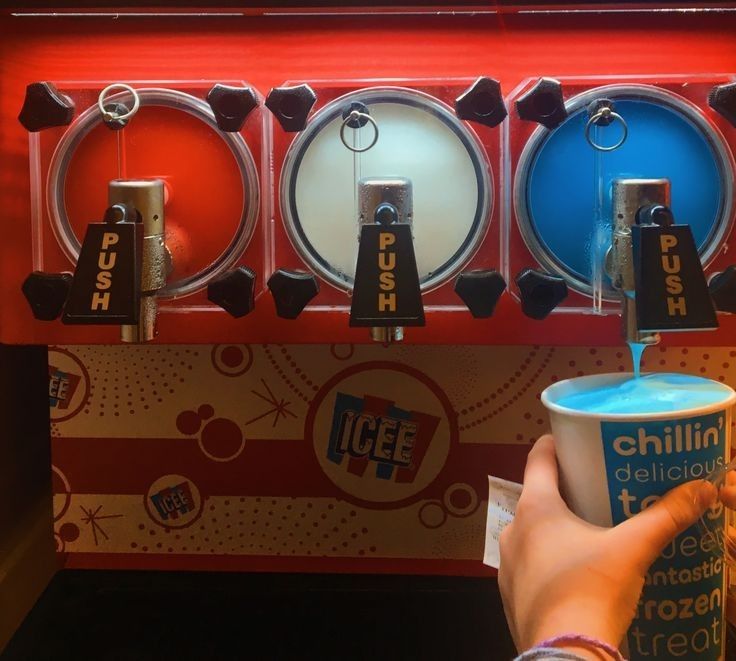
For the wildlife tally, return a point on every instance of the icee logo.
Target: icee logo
(382, 433)
(173, 501)
(371, 431)
(62, 387)
(680, 613)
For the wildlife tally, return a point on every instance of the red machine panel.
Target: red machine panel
(162, 452)
(281, 192)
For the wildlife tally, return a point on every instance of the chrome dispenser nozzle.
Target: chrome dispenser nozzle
(629, 196)
(375, 191)
(147, 197)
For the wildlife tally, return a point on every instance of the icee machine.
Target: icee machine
(350, 243)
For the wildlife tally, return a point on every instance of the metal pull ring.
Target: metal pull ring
(357, 117)
(606, 113)
(114, 116)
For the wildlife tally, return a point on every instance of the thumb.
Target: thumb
(647, 533)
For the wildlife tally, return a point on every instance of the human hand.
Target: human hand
(560, 574)
(727, 494)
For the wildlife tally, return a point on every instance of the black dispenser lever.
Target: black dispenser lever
(386, 293)
(106, 285)
(123, 263)
(671, 289)
(670, 292)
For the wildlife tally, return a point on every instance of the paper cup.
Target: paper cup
(613, 465)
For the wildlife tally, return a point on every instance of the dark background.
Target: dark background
(177, 616)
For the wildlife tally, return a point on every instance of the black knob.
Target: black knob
(482, 103)
(598, 108)
(543, 103)
(291, 291)
(356, 122)
(291, 106)
(540, 292)
(45, 107)
(480, 291)
(122, 213)
(231, 106)
(722, 99)
(722, 287)
(655, 214)
(47, 293)
(386, 214)
(234, 292)
(115, 123)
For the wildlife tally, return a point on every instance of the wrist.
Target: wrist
(588, 653)
(586, 647)
(577, 626)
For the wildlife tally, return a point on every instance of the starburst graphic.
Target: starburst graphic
(279, 407)
(91, 518)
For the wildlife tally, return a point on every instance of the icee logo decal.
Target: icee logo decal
(62, 387)
(371, 431)
(680, 610)
(382, 433)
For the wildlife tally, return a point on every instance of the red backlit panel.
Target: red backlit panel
(439, 56)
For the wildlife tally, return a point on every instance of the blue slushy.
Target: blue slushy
(651, 393)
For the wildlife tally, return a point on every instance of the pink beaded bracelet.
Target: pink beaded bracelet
(582, 641)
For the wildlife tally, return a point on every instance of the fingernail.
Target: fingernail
(707, 494)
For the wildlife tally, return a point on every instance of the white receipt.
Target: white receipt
(502, 498)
